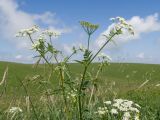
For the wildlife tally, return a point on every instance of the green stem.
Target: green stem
(69, 57)
(84, 73)
(39, 51)
(89, 36)
(62, 84)
(97, 74)
(80, 92)
(30, 38)
(50, 40)
(102, 48)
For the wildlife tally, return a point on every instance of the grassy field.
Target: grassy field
(118, 80)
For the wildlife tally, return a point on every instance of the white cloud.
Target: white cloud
(67, 48)
(18, 56)
(12, 19)
(141, 55)
(47, 18)
(141, 26)
(24, 58)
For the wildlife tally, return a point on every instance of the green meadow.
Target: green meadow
(136, 82)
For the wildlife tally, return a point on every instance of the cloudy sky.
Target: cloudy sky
(64, 16)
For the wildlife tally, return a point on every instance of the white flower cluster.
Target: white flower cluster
(125, 105)
(38, 43)
(29, 31)
(72, 95)
(15, 110)
(102, 110)
(128, 109)
(51, 33)
(120, 24)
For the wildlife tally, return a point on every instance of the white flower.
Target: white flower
(108, 102)
(118, 101)
(29, 31)
(15, 110)
(122, 107)
(126, 116)
(72, 94)
(114, 111)
(102, 110)
(120, 24)
(51, 33)
(136, 117)
(36, 45)
(126, 105)
(134, 109)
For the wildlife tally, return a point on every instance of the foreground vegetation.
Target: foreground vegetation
(57, 90)
(118, 80)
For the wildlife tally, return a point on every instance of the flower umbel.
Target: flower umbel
(119, 26)
(89, 28)
(51, 33)
(29, 31)
(124, 109)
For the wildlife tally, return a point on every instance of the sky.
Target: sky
(64, 16)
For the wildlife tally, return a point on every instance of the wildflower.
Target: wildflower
(119, 26)
(120, 107)
(125, 105)
(134, 109)
(118, 100)
(29, 31)
(89, 28)
(102, 110)
(114, 111)
(51, 33)
(39, 43)
(36, 45)
(126, 116)
(72, 95)
(15, 110)
(136, 117)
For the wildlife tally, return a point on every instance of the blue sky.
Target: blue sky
(64, 16)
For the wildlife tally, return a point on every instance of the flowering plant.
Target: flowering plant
(119, 109)
(77, 92)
